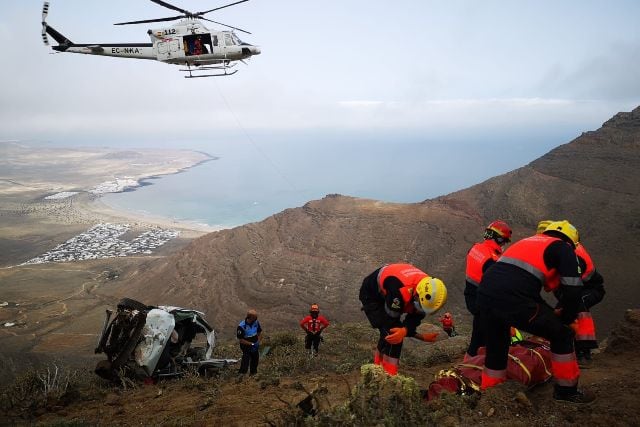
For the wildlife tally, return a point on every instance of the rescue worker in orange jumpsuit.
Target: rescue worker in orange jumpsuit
(509, 295)
(313, 325)
(447, 324)
(394, 291)
(592, 294)
(480, 257)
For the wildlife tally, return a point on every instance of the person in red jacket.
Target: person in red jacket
(509, 295)
(313, 325)
(395, 298)
(480, 257)
(593, 292)
(447, 324)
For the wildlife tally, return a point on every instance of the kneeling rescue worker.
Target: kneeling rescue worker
(389, 293)
(509, 295)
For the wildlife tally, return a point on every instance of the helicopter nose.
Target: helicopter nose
(255, 50)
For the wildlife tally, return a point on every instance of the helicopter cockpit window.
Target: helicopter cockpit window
(228, 40)
(236, 40)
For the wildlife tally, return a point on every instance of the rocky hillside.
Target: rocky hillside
(320, 252)
(341, 395)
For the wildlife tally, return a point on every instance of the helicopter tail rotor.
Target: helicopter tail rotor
(63, 42)
(45, 12)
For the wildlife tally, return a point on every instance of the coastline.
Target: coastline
(31, 200)
(188, 229)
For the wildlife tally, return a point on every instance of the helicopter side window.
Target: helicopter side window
(215, 40)
(227, 39)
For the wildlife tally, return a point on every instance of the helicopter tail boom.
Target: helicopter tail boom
(62, 40)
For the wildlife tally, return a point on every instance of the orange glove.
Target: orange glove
(396, 336)
(574, 326)
(426, 337)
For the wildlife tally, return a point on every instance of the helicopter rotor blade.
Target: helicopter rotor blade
(217, 8)
(144, 21)
(45, 12)
(170, 6)
(224, 25)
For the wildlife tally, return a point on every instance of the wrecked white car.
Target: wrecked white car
(154, 342)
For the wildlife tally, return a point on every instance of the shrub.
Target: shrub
(34, 389)
(377, 399)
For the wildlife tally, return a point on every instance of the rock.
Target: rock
(625, 337)
(523, 399)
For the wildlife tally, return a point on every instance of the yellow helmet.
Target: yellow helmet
(566, 228)
(542, 225)
(431, 294)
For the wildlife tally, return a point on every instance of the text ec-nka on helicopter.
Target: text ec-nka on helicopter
(187, 42)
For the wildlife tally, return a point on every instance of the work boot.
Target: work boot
(573, 395)
(584, 359)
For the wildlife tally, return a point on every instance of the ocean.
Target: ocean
(252, 179)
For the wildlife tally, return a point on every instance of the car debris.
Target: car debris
(153, 342)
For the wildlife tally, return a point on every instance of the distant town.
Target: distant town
(103, 241)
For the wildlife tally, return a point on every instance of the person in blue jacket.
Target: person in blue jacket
(249, 333)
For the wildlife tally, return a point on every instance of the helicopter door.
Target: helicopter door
(169, 49)
(228, 43)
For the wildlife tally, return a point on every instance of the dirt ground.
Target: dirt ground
(284, 379)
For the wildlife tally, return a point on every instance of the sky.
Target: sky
(452, 70)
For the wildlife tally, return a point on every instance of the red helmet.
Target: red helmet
(498, 230)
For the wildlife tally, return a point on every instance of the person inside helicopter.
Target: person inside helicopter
(197, 44)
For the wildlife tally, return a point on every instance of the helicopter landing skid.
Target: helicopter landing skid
(191, 76)
(222, 67)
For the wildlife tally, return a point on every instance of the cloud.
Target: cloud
(609, 75)
(360, 104)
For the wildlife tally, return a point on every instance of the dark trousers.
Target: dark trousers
(250, 359)
(386, 349)
(312, 340)
(478, 336)
(535, 318)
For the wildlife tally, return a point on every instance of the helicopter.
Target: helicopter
(187, 42)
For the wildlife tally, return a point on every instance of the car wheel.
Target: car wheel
(132, 304)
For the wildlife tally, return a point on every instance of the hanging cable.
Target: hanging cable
(251, 141)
